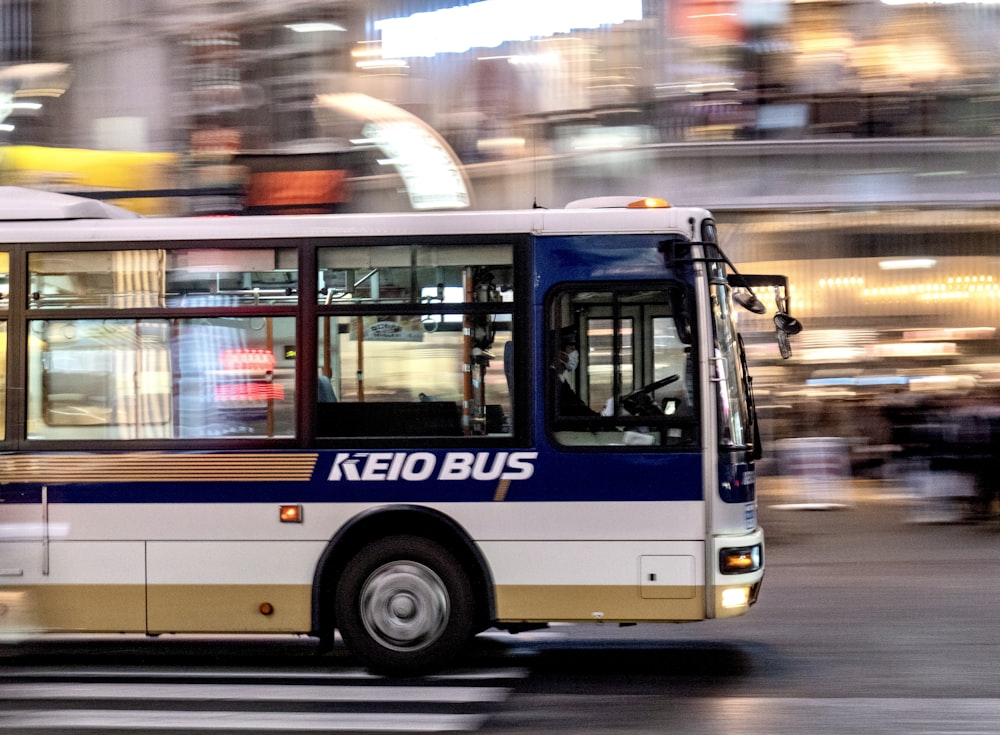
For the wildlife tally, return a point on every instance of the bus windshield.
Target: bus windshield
(735, 416)
(736, 420)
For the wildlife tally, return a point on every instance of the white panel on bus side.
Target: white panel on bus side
(91, 586)
(21, 562)
(96, 562)
(233, 562)
(667, 577)
(593, 563)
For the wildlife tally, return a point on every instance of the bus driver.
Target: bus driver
(566, 360)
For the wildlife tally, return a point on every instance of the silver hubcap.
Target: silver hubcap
(404, 605)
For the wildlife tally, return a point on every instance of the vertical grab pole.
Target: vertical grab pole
(361, 359)
(269, 341)
(45, 530)
(327, 366)
(467, 391)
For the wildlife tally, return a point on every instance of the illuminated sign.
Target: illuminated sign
(247, 359)
(253, 391)
(489, 23)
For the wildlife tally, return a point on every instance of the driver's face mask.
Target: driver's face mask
(572, 360)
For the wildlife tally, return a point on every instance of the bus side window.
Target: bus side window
(398, 379)
(92, 379)
(234, 379)
(413, 339)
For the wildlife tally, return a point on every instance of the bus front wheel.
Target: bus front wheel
(404, 606)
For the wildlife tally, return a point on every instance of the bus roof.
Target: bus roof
(685, 220)
(21, 204)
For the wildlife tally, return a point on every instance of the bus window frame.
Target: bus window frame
(305, 310)
(522, 401)
(22, 315)
(5, 262)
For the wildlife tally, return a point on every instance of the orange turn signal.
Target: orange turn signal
(742, 560)
(290, 514)
(649, 203)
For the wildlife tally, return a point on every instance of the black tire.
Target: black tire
(404, 606)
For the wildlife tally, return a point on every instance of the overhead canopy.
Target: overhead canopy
(432, 174)
(17, 203)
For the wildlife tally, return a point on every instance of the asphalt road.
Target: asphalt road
(868, 622)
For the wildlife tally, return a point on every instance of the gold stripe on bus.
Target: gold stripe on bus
(121, 608)
(610, 603)
(275, 608)
(82, 608)
(229, 608)
(155, 467)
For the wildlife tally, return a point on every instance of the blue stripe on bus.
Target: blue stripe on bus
(566, 477)
(596, 257)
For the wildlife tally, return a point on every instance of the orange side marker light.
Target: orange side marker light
(290, 514)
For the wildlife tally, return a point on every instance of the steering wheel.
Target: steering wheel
(640, 402)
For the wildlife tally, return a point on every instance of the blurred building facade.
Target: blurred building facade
(506, 77)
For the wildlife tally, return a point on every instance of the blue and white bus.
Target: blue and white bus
(405, 428)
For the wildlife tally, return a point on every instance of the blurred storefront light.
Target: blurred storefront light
(935, 335)
(841, 281)
(490, 23)
(914, 349)
(959, 287)
(941, 2)
(370, 64)
(832, 354)
(37, 79)
(315, 27)
(906, 263)
(7, 108)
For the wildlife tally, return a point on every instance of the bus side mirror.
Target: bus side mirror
(749, 301)
(784, 324)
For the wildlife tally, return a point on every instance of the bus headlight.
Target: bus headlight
(741, 560)
(735, 597)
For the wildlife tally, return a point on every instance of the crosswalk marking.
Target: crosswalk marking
(254, 693)
(150, 720)
(50, 674)
(150, 700)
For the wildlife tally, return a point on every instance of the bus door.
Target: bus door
(622, 418)
(23, 522)
(23, 554)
